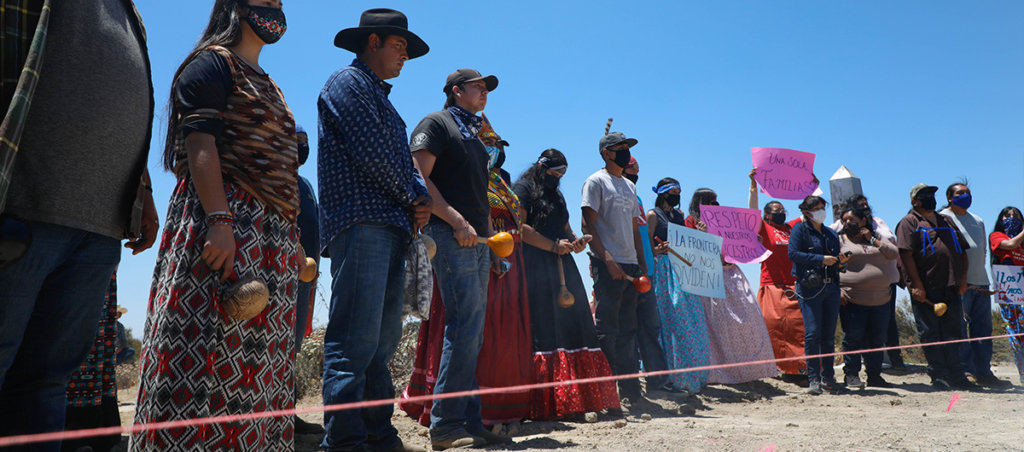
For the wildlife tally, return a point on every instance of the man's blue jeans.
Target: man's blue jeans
(976, 357)
(365, 326)
(462, 275)
(865, 327)
(820, 309)
(50, 305)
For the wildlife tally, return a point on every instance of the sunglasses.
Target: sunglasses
(15, 240)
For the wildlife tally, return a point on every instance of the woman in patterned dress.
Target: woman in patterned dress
(1007, 244)
(736, 328)
(231, 143)
(684, 333)
(504, 358)
(565, 344)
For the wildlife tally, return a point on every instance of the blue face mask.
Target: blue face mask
(962, 201)
(492, 156)
(1012, 226)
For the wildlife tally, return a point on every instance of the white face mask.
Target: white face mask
(818, 216)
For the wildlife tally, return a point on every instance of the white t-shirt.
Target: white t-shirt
(614, 199)
(973, 230)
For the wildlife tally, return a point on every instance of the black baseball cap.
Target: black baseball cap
(469, 75)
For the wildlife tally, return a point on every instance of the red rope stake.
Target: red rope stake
(952, 400)
(183, 423)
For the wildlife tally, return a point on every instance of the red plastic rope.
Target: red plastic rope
(135, 428)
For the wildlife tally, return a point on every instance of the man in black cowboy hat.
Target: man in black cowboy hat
(448, 152)
(371, 198)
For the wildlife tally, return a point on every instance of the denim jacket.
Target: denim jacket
(808, 248)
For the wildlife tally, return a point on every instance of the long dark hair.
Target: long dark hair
(661, 197)
(542, 202)
(701, 197)
(224, 29)
(999, 227)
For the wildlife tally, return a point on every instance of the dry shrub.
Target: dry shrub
(309, 364)
(127, 374)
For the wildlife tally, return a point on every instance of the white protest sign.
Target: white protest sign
(704, 251)
(1009, 284)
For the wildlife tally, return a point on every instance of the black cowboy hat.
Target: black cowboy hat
(381, 20)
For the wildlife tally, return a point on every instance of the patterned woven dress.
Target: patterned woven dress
(92, 391)
(504, 358)
(196, 361)
(736, 330)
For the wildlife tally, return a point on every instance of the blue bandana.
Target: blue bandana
(666, 188)
(469, 124)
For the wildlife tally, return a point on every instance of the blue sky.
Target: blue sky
(899, 92)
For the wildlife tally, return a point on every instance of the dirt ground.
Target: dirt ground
(771, 415)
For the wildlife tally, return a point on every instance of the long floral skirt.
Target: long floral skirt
(684, 333)
(737, 332)
(198, 362)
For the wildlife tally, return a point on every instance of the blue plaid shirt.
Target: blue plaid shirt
(365, 168)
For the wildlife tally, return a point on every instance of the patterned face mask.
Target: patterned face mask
(268, 23)
(492, 156)
(1012, 226)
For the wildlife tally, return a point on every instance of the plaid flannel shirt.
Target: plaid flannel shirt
(22, 44)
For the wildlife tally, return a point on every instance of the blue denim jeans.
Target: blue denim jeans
(943, 360)
(617, 322)
(50, 305)
(976, 357)
(462, 275)
(648, 330)
(820, 309)
(364, 328)
(865, 327)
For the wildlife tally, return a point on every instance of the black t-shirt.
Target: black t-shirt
(204, 83)
(553, 226)
(460, 171)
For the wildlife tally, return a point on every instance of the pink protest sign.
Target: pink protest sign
(738, 229)
(784, 173)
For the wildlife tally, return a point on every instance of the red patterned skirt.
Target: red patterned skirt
(565, 345)
(198, 362)
(504, 358)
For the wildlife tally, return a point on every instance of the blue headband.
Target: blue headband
(665, 188)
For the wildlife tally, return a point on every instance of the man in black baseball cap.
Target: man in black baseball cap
(934, 258)
(449, 154)
(609, 206)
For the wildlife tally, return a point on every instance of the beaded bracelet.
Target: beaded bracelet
(220, 217)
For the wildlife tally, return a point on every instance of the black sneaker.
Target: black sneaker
(878, 382)
(671, 388)
(963, 383)
(991, 381)
(832, 386)
(940, 384)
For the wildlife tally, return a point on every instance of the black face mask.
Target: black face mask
(926, 203)
(549, 182)
(851, 228)
(303, 152)
(777, 217)
(632, 177)
(672, 200)
(622, 158)
(268, 23)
